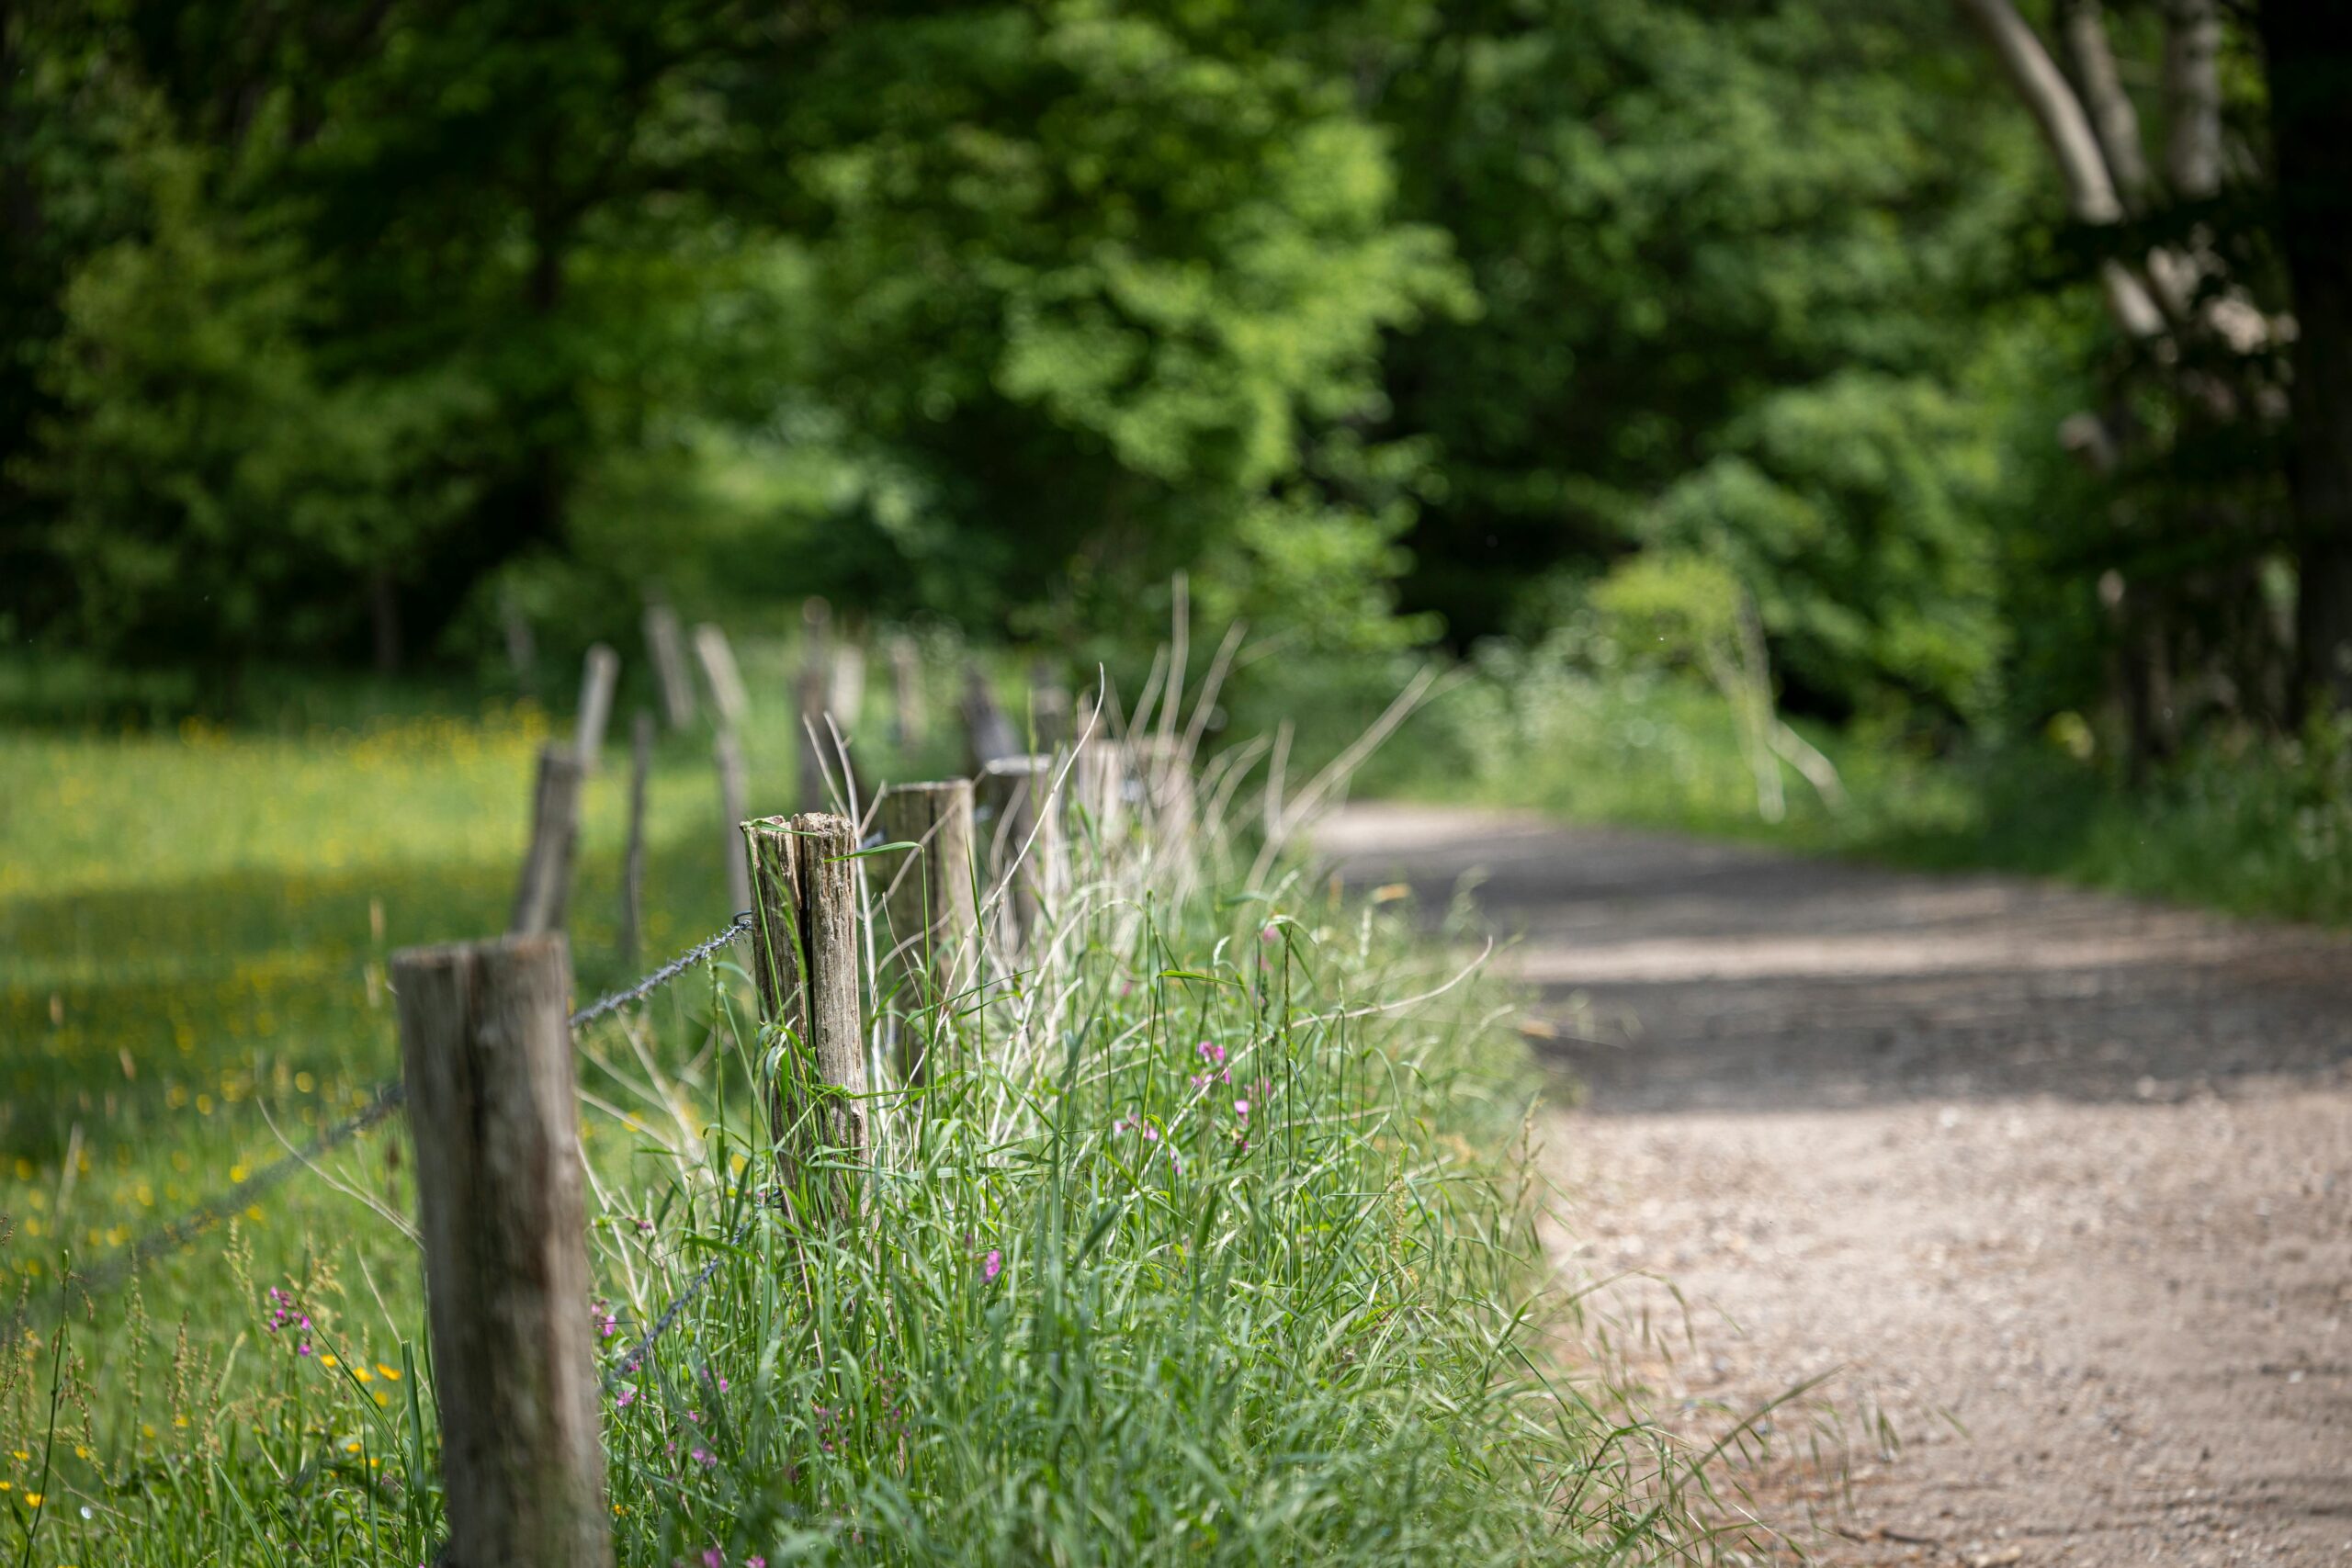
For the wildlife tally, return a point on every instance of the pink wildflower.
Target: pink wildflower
(624, 1399)
(993, 1268)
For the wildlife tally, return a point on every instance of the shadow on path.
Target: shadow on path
(1689, 976)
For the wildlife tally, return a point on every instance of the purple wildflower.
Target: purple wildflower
(992, 1266)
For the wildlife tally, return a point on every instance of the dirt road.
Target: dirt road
(2058, 1184)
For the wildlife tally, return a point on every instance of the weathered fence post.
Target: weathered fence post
(906, 690)
(722, 675)
(1048, 708)
(597, 673)
(640, 764)
(486, 1056)
(522, 653)
(555, 824)
(989, 731)
(1023, 839)
(733, 786)
(668, 651)
(804, 959)
(930, 902)
(847, 692)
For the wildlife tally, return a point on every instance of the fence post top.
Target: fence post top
(804, 825)
(930, 786)
(522, 945)
(1017, 767)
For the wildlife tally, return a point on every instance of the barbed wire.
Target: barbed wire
(382, 1101)
(653, 982)
(629, 1363)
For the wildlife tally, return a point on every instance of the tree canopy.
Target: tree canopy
(331, 323)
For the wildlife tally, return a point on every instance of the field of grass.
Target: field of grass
(1199, 1252)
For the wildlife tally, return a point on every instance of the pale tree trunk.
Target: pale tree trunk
(2192, 98)
(2112, 116)
(2090, 186)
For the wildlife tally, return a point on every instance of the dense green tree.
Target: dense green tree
(1732, 262)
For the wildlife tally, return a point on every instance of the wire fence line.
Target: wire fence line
(380, 1103)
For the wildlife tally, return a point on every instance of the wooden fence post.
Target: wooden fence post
(847, 692)
(989, 732)
(668, 650)
(805, 961)
(555, 824)
(640, 764)
(598, 672)
(932, 909)
(732, 788)
(906, 692)
(1048, 708)
(722, 675)
(486, 1056)
(1023, 839)
(522, 654)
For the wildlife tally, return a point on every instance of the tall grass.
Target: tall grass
(1207, 1239)
(2244, 822)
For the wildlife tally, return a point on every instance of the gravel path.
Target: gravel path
(2056, 1185)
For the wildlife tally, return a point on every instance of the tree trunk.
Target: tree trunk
(2311, 124)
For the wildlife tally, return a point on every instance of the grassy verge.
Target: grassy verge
(1200, 1248)
(2248, 825)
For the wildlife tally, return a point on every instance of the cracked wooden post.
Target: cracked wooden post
(598, 672)
(805, 961)
(640, 765)
(932, 907)
(545, 883)
(486, 1056)
(1023, 840)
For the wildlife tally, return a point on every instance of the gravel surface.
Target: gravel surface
(2041, 1198)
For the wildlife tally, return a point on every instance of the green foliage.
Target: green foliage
(1725, 256)
(1109, 282)
(212, 490)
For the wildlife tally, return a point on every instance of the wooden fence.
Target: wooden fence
(488, 1067)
